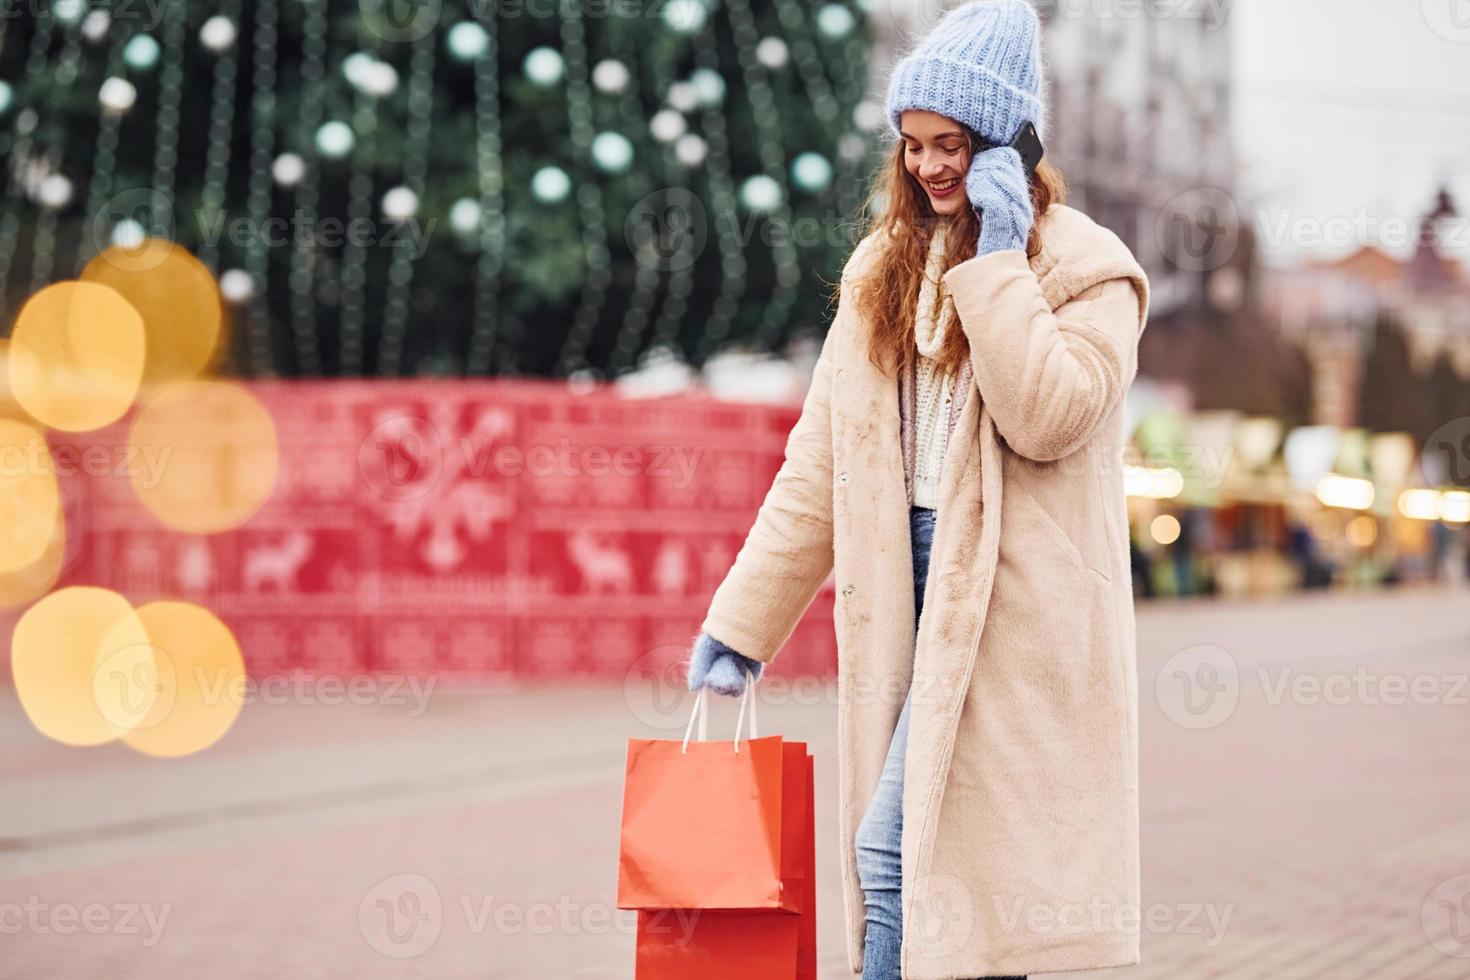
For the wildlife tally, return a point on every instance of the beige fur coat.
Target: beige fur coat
(1020, 806)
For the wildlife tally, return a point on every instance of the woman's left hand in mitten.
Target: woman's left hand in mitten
(1000, 191)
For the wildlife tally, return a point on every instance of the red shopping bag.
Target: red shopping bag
(718, 944)
(702, 822)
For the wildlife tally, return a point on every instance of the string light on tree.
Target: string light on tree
(221, 146)
(7, 97)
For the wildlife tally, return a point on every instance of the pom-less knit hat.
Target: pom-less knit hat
(980, 65)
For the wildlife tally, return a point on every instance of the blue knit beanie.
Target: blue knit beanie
(980, 65)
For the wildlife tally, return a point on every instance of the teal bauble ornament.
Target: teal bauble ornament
(335, 139)
(141, 52)
(551, 185)
(612, 152)
(811, 172)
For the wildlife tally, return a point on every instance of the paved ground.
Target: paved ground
(1306, 813)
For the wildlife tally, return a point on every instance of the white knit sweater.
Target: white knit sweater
(933, 393)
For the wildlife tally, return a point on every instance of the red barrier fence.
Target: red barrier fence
(493, 528)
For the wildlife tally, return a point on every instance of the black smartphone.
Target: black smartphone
(1028, 145)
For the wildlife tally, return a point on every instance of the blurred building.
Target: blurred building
(1331, 308)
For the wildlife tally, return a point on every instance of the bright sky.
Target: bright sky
(1351, 111)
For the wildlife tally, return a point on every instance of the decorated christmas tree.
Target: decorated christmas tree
(385, 189)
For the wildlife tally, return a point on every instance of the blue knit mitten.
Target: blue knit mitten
(721, 669)
(999, 189)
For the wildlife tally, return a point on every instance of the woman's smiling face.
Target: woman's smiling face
(937, 155)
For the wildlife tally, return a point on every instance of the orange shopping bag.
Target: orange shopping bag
(744, 944)
(707, 940)
(702, 821)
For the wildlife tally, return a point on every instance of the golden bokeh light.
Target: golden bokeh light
(177, 298)
(9, 407)
(30, 498)
(1362, 531)
(25, 585)
(76, 356)
(201, 681)
(218, 452)
(1164, 529)
(83, 666)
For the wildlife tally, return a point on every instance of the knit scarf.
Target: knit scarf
(929, 333)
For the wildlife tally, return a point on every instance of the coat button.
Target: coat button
(842, 478)
(841, 373)
(847, 590)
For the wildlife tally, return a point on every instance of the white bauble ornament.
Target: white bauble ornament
(236, 286)
(464, 216)
(760, 193)
(288, 169)
(544, 66)
(667, 125)
(772, 52)
(691, 150)
(682, 96)
(128, 233)
(218, 33)
(54, 192)
(117, 95)
(467, 41)
(611, 76)
(400, 204)
(709, 86)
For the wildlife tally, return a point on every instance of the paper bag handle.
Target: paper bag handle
(701, 712)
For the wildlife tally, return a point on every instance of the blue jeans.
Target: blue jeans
(880, 834)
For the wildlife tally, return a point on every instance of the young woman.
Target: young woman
(966, 414)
